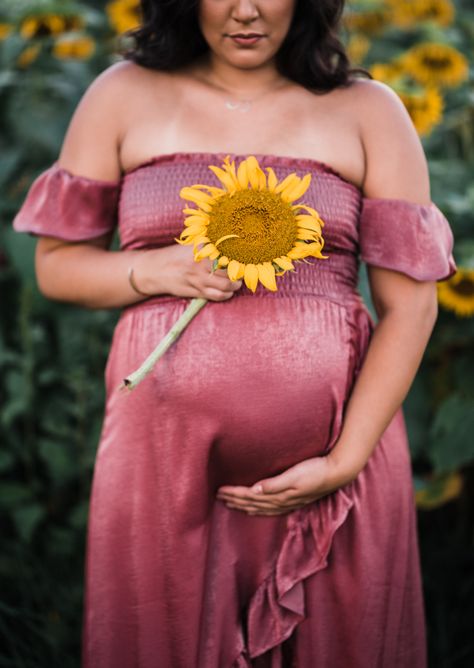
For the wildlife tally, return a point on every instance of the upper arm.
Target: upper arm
(92, 142)
(396, 166)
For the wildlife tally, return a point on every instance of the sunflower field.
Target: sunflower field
(52, 356)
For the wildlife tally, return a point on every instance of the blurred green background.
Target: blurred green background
(52, 356)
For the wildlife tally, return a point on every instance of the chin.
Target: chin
(247, 61)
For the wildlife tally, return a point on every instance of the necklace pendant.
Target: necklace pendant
(240, 105)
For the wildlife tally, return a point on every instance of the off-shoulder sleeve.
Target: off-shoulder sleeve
(415, 239)
(69, 207)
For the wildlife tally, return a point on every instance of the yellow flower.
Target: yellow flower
(370, 22)
(409, 13)
(439, 490)
(124, 15)
(251, 226)
(386, 72)
(425, 108)
(435, 64)
(358, 47)
(5, 30)
(79, 48)
(457, 293)
(29, 55)
(45, 25)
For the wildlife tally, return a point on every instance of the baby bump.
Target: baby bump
(270, 375)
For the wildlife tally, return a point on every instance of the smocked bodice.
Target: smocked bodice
(146, 206)
(151, 213)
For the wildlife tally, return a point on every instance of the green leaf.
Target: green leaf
(13, 494)
(452, 442)
(27, 519)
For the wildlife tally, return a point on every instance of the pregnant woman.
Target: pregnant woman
(252, 502)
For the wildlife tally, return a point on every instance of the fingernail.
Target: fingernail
(257, 489)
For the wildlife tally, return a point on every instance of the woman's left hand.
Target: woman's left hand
(299, 485)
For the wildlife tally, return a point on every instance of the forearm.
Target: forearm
(393, 357)
(87, 275)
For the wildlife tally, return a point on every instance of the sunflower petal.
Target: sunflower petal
(196, 220)
(291, 179)
(223, 261)
(306, 235)
(242, 175)
(266, 274)
(284, 263)
(230, 168)
(292, 193)
(183, 242)
(251, 276)
(227, 236)
(225, 178)
(256, 175)
(314, 250)
(272, 180)
(310, 210)
(200, 240)
(235, 270)
(205, 251)
(297, 252)
(191, 231)
(201, 199)
(309, 223)
(213, 190)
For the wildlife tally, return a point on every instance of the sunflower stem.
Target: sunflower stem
(132, 380)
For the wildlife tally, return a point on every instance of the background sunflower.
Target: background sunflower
(52, 356)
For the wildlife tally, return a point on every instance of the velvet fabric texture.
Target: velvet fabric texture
(175, 579)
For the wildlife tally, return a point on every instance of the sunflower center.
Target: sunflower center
(465, 287)
(437, 62)
(265, 226)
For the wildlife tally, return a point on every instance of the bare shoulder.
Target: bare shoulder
(92, 143)
(395, 161)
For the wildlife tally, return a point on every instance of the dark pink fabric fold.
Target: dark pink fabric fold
(69, 207)
(414, 239)
(278, 605)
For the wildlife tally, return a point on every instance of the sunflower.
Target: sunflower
(79, 48)
(409, 13)
(457, 293)
(425, 108)
(45, 25)
(439, 490)
(357, 47)
(124, 15)
(370, 22)
(436, 64)
(387, 72)
(5, 30)
(251, 226)
(29, 55)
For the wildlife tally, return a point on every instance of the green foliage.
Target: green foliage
(52, 356)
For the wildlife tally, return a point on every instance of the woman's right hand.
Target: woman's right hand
(173, 270)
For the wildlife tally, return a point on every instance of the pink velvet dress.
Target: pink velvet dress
(174, 578)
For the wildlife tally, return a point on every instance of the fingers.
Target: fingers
(216, 286)
(246, 500)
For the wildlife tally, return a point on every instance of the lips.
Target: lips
(246, 39)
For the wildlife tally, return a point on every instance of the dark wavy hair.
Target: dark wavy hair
(312, 53)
